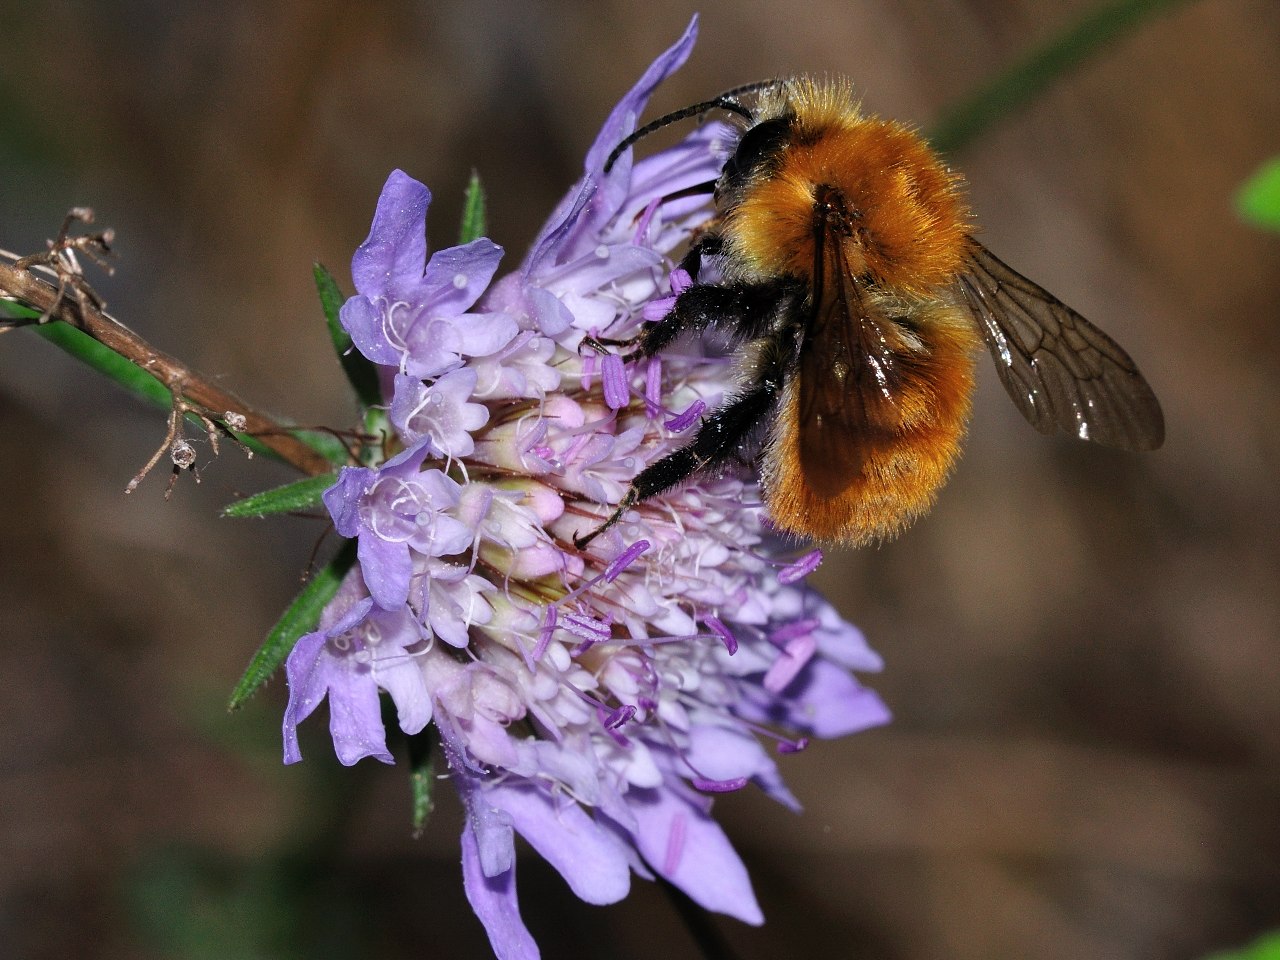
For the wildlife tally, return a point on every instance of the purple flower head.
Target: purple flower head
(592, 701)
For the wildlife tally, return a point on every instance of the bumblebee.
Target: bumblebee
(857, 295)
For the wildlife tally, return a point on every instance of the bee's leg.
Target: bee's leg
(691, 263)
(709, 244)
(745, 310)
(721, 436)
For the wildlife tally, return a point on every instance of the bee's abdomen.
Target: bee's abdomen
(890, 472)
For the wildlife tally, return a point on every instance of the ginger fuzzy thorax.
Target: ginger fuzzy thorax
(906, 219)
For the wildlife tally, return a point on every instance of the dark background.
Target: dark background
(1081, 645)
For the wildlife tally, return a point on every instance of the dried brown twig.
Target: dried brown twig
(218, 411)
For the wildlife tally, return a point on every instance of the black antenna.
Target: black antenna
(726, 101)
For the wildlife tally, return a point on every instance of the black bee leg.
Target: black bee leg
(746, 311)
(599, 344)
(709, 244)
(722, 436)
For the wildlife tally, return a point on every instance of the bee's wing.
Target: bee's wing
(847, 377)
(1061, 371)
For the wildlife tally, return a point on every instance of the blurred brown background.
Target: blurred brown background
(1081, 645)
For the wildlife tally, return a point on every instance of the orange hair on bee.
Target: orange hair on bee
(911, 220)
(903, 469)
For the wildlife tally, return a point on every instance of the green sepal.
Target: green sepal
(361, 374)
(473, 211)
(291, 498)
(1258, 199)
(422, 777)
(301, 617)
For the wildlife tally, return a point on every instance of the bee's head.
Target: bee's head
(757, 153)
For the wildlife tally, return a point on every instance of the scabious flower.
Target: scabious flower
(593, 701)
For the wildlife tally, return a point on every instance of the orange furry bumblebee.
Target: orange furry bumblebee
(858, 296)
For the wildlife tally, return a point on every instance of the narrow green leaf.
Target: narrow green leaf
(291, 498)
(1024, 80)
(105, 360)
(473, 211)
(12, 309)
(422, 778)
(1258, 200)
(361, 374)
(301, 616)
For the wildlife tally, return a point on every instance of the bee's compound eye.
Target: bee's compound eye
(759, 146)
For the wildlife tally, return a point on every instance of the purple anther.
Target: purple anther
(719, 786)
(717, 627)
(797, 628)
(614, 377)
(588, 628)
(653, 388)
(684, 420)
(619, 716)
(624, 560)
(656, 310)
(800, 568)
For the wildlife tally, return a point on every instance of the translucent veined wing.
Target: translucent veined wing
(848, 374)
(1061, 371)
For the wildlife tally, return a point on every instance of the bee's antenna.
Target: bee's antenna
(726, 101)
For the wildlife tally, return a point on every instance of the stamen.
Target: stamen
(801, 568)
(797, 628)
(719, 786)
(624, 560)
(782, 743)
(620, 716)
(588, 628)
(614, 377)
(527, 441)
(684, 420)
(793, 746)
(653, 388)
(656, 310)
(730, 641)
